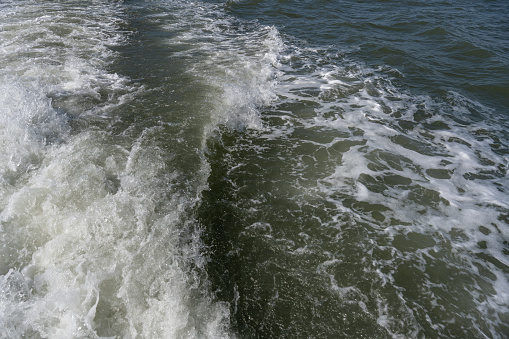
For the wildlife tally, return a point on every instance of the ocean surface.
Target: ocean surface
(254, 169)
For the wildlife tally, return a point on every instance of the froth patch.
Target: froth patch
(92, 225)
(237, 62)
(413, 185)
(28, 125)
(100, 261)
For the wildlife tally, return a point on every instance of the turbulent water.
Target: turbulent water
(254, 169)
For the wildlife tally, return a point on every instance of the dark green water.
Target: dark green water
(254, 169)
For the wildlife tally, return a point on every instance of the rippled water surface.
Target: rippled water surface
(254, 169)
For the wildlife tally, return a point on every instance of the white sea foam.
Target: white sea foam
(239, 64)
(426, 166)
(95, 236)
(98, 260)
(95, 240)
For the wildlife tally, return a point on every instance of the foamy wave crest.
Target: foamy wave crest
(237, 61)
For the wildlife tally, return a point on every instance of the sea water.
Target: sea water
(254, 169)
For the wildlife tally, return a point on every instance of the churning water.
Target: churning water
(254, 169)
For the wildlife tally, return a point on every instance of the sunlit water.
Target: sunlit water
(254, 169)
